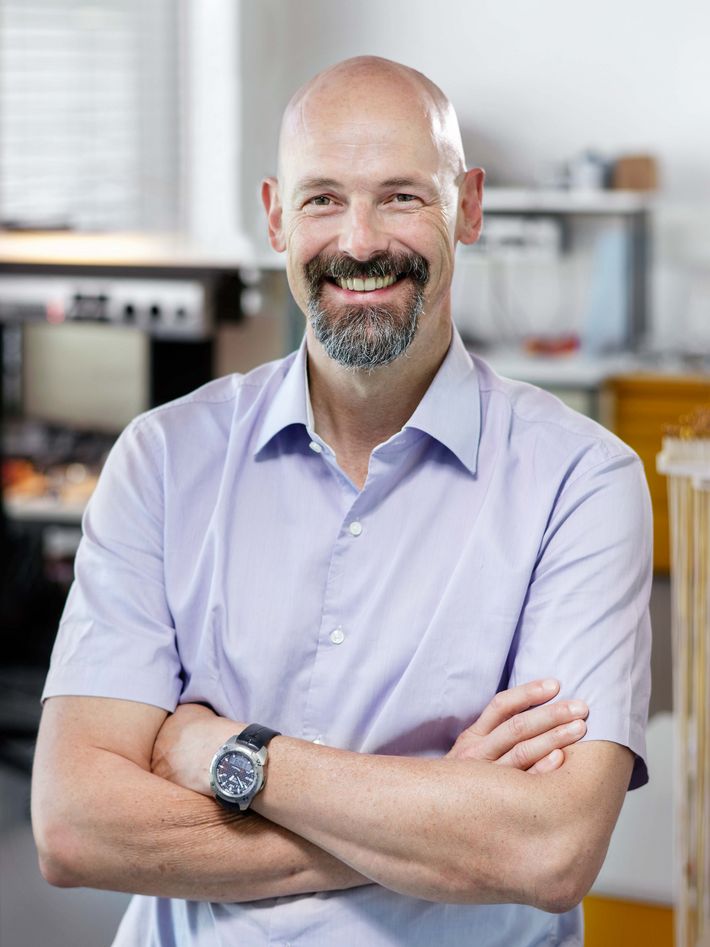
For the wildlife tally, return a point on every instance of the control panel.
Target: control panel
(167, 308)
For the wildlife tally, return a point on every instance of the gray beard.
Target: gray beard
(366, 336)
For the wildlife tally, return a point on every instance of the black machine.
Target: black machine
(52, 447)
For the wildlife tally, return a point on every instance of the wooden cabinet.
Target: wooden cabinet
(637, 407)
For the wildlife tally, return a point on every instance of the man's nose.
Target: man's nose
(363, 235)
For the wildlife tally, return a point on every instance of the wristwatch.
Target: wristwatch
(237, 768)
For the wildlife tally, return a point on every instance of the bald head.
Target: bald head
(356, 86)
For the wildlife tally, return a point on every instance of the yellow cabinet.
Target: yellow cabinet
(637, 407)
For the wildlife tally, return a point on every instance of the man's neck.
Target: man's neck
(355, 410)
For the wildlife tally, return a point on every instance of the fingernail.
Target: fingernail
(577, 707)
(549, 685)
(577, 726)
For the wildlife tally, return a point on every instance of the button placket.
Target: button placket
(332, 634)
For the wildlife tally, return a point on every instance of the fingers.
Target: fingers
(542, 753)
(549, 763)
(513, 701)
(521, 728)
(534, 723)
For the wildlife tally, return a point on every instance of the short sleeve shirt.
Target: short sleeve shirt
(227, 559)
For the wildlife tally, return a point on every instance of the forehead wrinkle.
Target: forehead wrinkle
(342, 154)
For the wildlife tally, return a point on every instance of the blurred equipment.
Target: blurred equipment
(555, 265)
(587, 172)
(685, 460)
(100, 343)
(84, 348)
(50, 471)
(175, 308)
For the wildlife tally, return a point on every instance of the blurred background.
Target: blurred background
(134, 267)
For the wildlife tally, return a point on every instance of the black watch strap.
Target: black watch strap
(257, 736)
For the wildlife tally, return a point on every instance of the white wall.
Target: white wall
(533, 84)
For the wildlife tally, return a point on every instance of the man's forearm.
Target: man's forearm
(103, 821)
(441, 830)
(450, 830)
(155, 838)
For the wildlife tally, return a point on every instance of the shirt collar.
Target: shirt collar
(291, 403)
(449, 411)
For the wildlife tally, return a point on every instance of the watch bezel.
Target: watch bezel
(255, 757)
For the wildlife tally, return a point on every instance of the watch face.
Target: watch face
(235, 774)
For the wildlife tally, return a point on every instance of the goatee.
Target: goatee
(363, 336)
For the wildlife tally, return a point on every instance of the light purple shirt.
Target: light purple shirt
(500, 537)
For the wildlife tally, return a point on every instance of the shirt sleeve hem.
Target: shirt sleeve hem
(634, 742)
(90, 682)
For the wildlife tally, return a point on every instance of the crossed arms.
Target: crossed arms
(120, 801)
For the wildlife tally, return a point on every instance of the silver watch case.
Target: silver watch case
(257, 759)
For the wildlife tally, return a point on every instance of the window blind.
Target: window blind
(89, 124)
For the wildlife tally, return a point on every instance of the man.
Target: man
(355, 548)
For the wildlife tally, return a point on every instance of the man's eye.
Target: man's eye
(404, 198)
(321, 201)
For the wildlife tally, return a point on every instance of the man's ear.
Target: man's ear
(470, 215)
(274, 213)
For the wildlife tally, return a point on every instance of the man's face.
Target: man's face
(368, 205)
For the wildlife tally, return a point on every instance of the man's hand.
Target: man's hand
(186, 743)
(514, 730)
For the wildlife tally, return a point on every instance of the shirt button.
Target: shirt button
(337, 636)
(355, 528)
(315, 447)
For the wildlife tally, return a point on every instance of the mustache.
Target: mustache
(338, 266)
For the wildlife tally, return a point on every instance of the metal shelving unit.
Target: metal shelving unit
(633, 208)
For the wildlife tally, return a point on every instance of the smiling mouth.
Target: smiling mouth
(365, 285)
(357, 277)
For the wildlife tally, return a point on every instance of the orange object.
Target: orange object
(637, 408)
(612, 923)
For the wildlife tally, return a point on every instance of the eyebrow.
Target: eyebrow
(403, 182)
(316, 184)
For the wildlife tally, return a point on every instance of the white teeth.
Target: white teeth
(367, 285)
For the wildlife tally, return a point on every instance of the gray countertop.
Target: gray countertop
(583, 370)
